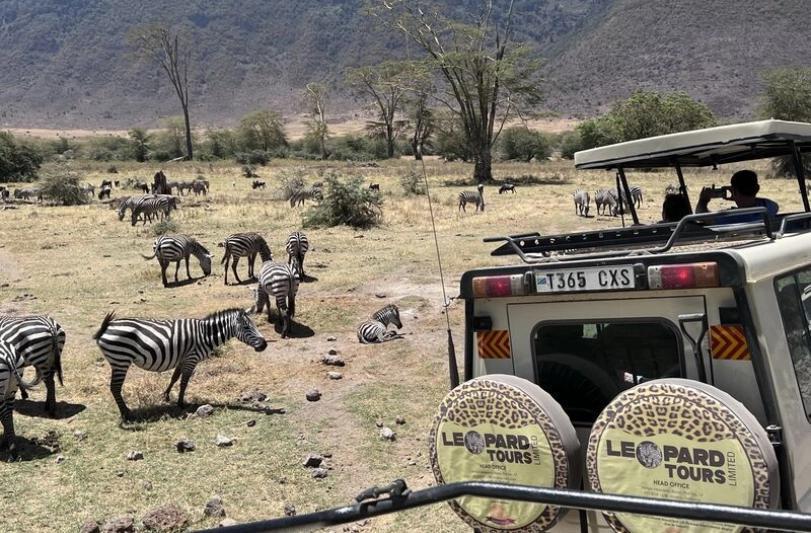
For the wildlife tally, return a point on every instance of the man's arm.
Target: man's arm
(703, 201)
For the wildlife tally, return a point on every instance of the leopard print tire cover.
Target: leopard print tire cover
(504, 429)
(681, 440)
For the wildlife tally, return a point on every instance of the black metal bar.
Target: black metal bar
(791, 218)
(682, 184)
(619, 200)
(631, 205)
(704, 512)
(799, 169)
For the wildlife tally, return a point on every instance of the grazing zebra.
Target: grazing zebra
(129, 202)
(296, 246)
(88, 189)
(581, 202)
(244, 245)
(11, 363)
(160, 345)
(471, 197)
(280, 281)
(619, 207)
(636, 196)
(605, 201)
(312, 193)
(505, 187)
(374, 187)
(376, 328)
(181, 186)
(159, 205)
(25, 193)
(258, 184)
(199, 187)
(39, 340)
(169, 248)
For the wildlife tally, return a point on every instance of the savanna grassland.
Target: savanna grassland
(78, 263)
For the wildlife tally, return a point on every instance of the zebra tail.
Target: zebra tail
(106, 322)
(25, 384)
(57, 352)
(226, 254)
(154, 254)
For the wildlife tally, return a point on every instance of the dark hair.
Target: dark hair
(745, 182)
(675, 207)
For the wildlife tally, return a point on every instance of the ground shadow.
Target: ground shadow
(154, 413)
(306, 278)
(182, 283)
(297, 330)
(248, 281)
(27, 450)
(37, 409)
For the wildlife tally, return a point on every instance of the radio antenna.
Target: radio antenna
(454, 371)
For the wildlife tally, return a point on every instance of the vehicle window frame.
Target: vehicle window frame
(793, 274)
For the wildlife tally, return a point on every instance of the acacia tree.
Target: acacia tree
(488, 77)
(422, 119)
(263, 130)
(159, 44)
(315, 101)
(787, 96)
(139, 138)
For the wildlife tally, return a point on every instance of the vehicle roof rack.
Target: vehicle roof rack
(651, 239)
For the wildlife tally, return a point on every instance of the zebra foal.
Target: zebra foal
(471, 197)
(244, 245)
(39, 340)
(375, 329)
(175, 248)
(160, 345)
(297, 245)
(280, 281)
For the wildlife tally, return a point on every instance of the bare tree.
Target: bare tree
(487, 76)
(159, 44)
(421, 117)
(315, 100)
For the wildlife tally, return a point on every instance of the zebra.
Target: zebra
(604, 200)
(158, 206)
(506, 187)
(471, 197)
(25, 193)
(296, 246)
(160, 345)
(636, 196)
(181, 186)
(199, 187)
(169, 248)
(244, 245)
(281, 281)
(375, 187)
(4, 194)
(130, 202)
(39, 340)
(258, 184)
(105, 190)
(581, 202)
(620, 207)
(11, 363)
(376, 328)
(312, 193)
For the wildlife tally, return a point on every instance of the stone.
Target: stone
(379, 423)
(135, 455)
(251, 423)
(204, 411)
(228, 522)
(121, 524)
(331, 339)
(91, 526)
(380, 295)
(313, 395)
(60, 459)
(167, 517)
(320, 473)
(332, 351)
(399, 420)
(333, 360)
(147, 485)
(313, 460)
(80, 435)
(214, 507)
(334, 375)
(185, 445)
(387, 434)
(223, 442)
(326, 455)
(253, 396)
(289, 509)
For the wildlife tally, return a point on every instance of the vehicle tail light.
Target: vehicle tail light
(499, 286)
(686, 276)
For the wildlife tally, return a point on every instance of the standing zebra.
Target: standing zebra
(244, 245)
(160, 345)
(376, 328)
(297, 245)
(11, 363)
(158, 206)
(281, 281)
(312, 193)
(169, 248)
(581, 202)
(130, 202)
(636, 196)
(506, 187)
(39, 340)
(471, 197)
(606, 202)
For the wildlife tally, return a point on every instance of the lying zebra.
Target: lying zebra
(159, 345)
(175, 248)
(280, 281)
(375, 329)
(11, 364)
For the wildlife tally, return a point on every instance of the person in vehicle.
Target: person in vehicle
(674, 208)
(744, 186)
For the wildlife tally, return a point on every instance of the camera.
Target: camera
(724, 192)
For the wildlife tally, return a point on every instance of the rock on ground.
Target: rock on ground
(135, 455)
(289, 509)
(223, 442)
(228, 522)
(313, 395)
(320, 473)
(333, 360)
(91, 526)
(121, 524)
(185, 445)
(387, 434)
(204, 411)
(167, 517)
(334, 375)
(214, 507)
(313, 460)
(253, 396)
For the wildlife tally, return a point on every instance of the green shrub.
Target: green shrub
(167, 225)
(349, 203)
(249, 171)
(523, 144)
(568, 143)
(412, 183)
(63, 187)
(255, 157)
(18, 162)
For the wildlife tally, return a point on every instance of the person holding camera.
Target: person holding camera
(743, 188)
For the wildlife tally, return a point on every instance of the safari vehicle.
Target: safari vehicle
(589, 315)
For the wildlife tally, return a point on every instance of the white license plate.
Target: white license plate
(616, 277)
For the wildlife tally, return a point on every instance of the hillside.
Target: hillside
(67, 63)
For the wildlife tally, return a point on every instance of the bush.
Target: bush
(167, 225)
(568, 143)
(63, 187)
(255, 157)
(290, 182)
(524, 144)
(18, 162)
(112, 169)
(349, 203)
(412, 183)
(249, 171)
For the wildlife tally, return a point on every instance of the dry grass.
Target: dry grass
(78, 263)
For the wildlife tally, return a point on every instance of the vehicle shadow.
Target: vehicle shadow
(27, 450)
(37, 409)
(154, 413)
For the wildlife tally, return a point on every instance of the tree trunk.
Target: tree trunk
(483, 171)
(189, 154)
(417, 149)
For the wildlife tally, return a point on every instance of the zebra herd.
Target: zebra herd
(607, 201)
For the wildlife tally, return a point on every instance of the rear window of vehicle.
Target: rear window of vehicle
(794, 300)
(584, 365)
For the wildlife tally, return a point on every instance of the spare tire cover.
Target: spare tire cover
(678, 439)
(504, 429)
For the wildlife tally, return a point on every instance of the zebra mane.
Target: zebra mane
(223, 312)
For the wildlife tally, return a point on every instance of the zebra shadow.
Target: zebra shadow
(297, 330)
(182, 283)
(306, 278)
(155, 413)
(37, 409)
(249, 281)
(27, 450)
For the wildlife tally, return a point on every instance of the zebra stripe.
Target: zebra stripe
(158, 206)
(11, 364)
(130, 202)
(174, 248)
(312, 193)
(606, 200)
(160, 345)
(472, 197)
(296, 246)
(375, 329)
(636, 195)
(39, 340)
(280, 281)
(244, 245)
